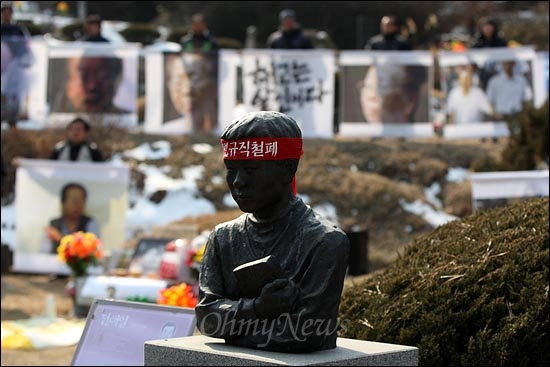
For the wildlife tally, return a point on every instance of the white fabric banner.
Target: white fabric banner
(230, 87)
(385, 94)
(512, 184)
(475, 96)
(38, 200)
(95, 80)
(182, 90)
(540, 78)
(295, 82)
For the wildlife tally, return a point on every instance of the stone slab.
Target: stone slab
(201, 350)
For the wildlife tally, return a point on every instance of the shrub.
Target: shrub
(34, 29)
(472, 292)
(73, 31)
(226, 42)
(529, 136)
(143, 33)
(176, 34)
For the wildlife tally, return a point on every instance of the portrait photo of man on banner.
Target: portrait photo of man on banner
(382, 93)
(182, 89)
(50, 194)
(191, 91)
(98, 81)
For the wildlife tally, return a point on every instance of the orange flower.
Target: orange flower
(178, 295)
(78, 250)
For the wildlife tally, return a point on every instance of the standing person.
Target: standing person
(16, 59)
(467, 103)
(199, 40)
(389, 37)
(290, 34)
(488, 35)
(195, 76)
(72, 219)
(77, 147)
(508, 92)
(92, 30)
(293, 261)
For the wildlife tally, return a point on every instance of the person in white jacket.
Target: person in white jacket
(467, 103)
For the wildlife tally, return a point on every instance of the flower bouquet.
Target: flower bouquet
(194, 258)
(79, 250)
(178, 295)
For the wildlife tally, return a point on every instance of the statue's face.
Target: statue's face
(256, 186)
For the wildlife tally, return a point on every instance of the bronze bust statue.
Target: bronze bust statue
(272, 278)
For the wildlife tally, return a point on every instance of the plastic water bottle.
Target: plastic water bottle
(51, 307)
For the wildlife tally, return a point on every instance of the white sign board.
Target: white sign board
(38, 200)
(512, 184)
(116, 331)
(385, 93)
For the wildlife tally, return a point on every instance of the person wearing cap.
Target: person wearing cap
(92, 30)
(290, 34)
(308, 255)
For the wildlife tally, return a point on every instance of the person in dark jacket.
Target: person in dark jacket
(389, 37)
(290, 34)
(17, 57)
(199, 40)
(92, 30)
(77, 147)
(488, 35)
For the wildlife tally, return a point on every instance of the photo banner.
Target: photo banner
(182, 90)
(38, 200)
(475, 95)
(385, 93)
(230, 87)
(295, 82)
(540, 78)
(95, 80)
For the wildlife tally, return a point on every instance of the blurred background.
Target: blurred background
(335, 24)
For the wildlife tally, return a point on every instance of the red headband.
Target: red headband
(268, 149)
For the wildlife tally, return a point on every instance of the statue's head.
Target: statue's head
(261, 154)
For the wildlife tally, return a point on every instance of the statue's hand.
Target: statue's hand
(277, 297)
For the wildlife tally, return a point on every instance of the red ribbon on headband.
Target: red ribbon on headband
(269, 149)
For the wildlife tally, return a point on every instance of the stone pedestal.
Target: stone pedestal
(205, 351)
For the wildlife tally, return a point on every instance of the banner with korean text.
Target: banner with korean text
(296, 82)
